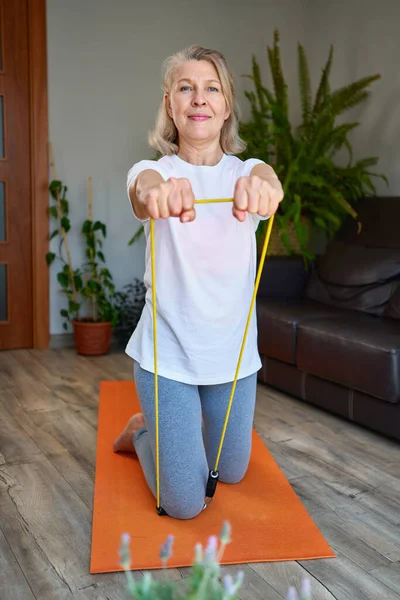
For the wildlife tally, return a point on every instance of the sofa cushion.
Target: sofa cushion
(355, 350)
(278, 320)
(355, 277)
(377, 223)
(353, 265)
(392, 310)
(372, 299)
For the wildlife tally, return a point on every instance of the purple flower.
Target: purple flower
(305, 592)
(211, 550)
(225, 535)
(231, 586)
(124, 550)
(166, 549)
(198, 554)
(292, 594)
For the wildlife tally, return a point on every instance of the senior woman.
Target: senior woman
(206, 267)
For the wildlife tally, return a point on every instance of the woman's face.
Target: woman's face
(196, 102)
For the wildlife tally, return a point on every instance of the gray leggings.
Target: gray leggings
(188, 446)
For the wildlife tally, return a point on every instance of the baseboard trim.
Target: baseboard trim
(59, 341)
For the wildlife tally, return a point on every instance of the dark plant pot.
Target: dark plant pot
(92, 339)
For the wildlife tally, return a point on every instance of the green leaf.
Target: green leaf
(50, 256)
(305, 85)
(101, 256)
(328, 215)
(323, 88)
(64, 313)
(100, 226)
(54, 234)
(87, 227)
(351, 95)
(277, 74)
(321, 223)
(55, 188)
(105, 273)
(65, 326)
(343, 203)
(137, 235)
(65, 224)
(63, 280)
(78, 282)
(64, 206)
(53, 212)
(73, 306)
(93, 286)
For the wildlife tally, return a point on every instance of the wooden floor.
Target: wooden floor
(347, 477)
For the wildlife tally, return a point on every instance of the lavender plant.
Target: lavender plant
(205, 582)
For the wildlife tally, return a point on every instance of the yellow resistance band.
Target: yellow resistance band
(153, 282)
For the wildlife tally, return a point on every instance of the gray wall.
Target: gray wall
(365, 36)
(104, 88)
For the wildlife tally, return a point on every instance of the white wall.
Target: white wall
(104, 66)
(365, 36)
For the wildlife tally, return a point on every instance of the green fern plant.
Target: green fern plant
(305, 157)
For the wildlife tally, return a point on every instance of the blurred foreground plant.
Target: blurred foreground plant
(205, 582)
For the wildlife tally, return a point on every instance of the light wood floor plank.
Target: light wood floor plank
(347, 581)
(281, 575)
(57, 521)
(13, 584)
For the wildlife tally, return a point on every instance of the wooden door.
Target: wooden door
(16, 248)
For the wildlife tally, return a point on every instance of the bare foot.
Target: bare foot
(124, 442)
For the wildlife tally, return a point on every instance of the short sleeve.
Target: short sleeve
(248, 165)
(136, 169)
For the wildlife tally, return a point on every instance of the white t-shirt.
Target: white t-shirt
(205, 273)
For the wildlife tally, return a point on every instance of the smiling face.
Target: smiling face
(196, 102)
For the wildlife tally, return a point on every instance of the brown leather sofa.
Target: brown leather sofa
(330, 334)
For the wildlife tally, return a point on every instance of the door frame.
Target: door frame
(39, 175)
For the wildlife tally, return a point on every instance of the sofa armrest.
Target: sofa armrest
(284, 277)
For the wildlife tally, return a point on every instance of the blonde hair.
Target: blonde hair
(164, 136)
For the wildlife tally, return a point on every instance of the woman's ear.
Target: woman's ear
(227, 111)
(168, 105)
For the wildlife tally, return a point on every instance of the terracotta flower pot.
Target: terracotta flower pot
(92, 338)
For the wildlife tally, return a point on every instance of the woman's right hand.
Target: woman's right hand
(171, 198)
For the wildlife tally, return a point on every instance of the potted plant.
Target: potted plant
(129, 304)
(92, 307)
(319, 191)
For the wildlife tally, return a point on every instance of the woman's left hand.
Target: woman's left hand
(256, 195)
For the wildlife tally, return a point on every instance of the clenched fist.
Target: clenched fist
(257, 196)
(171, 198)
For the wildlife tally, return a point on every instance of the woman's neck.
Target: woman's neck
(207, 155)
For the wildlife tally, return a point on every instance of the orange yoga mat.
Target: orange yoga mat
(268, 521)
